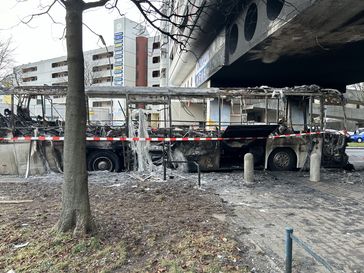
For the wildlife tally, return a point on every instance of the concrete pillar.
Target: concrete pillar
(315, 166)
(249, 168)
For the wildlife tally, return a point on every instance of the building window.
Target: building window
(59, 64)
(156, 45)
(156, 73)
(164, 53)
(29, 69)
(156, 59)
(163, 73)
(102, 56)
(60, 74)
(155, 85)
(102, 80)
(173, 51)
(30, 79)
(101, 103)
(60, 84)
(102, 67)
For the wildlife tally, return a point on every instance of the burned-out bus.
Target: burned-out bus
(217, 127)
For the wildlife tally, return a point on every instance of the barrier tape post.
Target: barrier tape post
(289, 232)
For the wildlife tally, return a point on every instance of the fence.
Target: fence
(289, 245)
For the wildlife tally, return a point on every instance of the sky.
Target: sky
(41, 38)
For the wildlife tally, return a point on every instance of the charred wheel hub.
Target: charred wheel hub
(281, 160)
(103, 164)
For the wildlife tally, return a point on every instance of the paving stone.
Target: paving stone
(327, 215)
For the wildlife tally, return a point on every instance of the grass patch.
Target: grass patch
(356, 144)
(50, 252)
(200, 252)
(47, 251)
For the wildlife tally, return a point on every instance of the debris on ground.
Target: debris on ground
(143, 226)
(15, 201)
(146, 224)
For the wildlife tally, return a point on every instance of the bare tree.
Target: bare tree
(181, 19)
(89, 74)
(6, 62)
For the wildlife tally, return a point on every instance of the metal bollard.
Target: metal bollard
(289, 232)
(315, 166)
(249, 168)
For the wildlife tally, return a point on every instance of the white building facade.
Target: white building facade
(133, 60)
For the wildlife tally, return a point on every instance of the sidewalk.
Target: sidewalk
(329, 216)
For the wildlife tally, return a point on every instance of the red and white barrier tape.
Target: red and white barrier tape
(154, 139)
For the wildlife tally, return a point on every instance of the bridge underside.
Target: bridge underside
(334, 68)
(323, 44)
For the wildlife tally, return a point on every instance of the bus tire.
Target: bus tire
(282, 159)
(103, 160)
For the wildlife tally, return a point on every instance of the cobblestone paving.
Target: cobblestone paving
(329, 215)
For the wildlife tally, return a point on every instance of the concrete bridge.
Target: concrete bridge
(276, 43)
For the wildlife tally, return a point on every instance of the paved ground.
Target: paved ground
(356, 157)
(328, 215)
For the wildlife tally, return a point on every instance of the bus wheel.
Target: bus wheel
(103, 161)
(282, 159)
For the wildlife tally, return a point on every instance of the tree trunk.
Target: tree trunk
(76, 213)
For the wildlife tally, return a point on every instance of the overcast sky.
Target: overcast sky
(40, 39)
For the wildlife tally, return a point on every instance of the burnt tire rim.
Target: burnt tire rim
(103, 164)
(281, 160)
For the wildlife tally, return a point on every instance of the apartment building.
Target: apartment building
(133, 60)
(53, 72)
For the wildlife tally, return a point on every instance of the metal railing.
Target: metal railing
(289, 246)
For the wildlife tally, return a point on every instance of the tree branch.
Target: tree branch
(90, 5)
(27, 19)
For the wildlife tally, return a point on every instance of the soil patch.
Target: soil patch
(142, 227)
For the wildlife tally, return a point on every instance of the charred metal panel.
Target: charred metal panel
(249, 130)
(333, 151)
(44, 157)
(206, 154)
